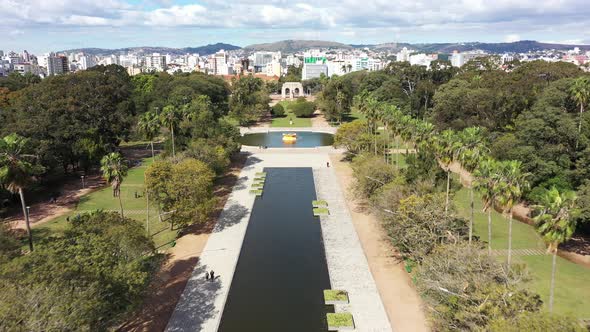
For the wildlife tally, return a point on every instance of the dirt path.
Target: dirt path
(70, 194)
(179, 263)
(402, 303)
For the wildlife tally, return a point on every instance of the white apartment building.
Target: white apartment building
(155, 62)
(422, 59)
(403, 55)
(458, 59)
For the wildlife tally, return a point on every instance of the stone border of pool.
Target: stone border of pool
(347, 264)
(253, 130)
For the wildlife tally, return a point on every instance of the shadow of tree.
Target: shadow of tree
(230, 216)
(196, 305)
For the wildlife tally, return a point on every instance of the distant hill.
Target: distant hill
(201, 50)
(291, 46)
(522, 46)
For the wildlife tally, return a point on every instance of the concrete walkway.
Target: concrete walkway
(347, 263)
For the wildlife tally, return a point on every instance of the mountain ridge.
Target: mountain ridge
(201, 50)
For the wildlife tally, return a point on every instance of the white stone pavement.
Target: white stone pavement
(250, 130)
(347, 263)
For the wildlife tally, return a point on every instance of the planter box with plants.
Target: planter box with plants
(319, 203)
(341, 321)
(320, 212)
(334, 296)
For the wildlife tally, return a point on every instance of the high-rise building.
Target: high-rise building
(57, 64)
(155, 62)
(403, 55)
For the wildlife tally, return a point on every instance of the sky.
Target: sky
(41, 26)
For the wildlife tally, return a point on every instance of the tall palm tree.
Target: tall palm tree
(114, 170)
(447, 146)
(170, 117)
(486, 183)
(149, 126)
(511, 185)
(17, 170)
(556, 225)
(470, 154)
(580, 91)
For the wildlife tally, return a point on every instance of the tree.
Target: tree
(511, 186)
(470, 154)
(486, 183)
(353, 137)
(249, 99)
(18, 169)
(555, 224)
(149, 126)
(114, 170)
(580, 91)
(170, 117)
(277, 110)
(447, 147)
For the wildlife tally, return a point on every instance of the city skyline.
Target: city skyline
(42, 26)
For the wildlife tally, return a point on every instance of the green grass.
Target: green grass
(103, 199)
(401, 159)
(572, 289)
(319, 203)
(332, 295)
(523, 235)
(321, 212)
(342, 319)
(284, 120)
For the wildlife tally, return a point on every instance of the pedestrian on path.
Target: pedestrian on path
(328, 164)
(206, 275)
(212, 275)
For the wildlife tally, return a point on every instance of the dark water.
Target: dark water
(305, 139)
(281, 273)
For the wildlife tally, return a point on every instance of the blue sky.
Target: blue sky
(46, 25)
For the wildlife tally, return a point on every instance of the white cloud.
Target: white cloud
(512, 38)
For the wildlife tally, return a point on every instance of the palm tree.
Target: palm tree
(349, 66)
(170, 117)
(17, 170)
(486, 182)
(470, 154)
(149, 126)
(580, 91)
(114, 169)
(556, 225)
(447, 147)
(511, 185)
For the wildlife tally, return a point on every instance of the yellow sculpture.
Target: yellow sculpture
(290, 138)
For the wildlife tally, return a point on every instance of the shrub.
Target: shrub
(303, 109)
(419, 224)
(465, 288)
(370, 174)
(277, 110)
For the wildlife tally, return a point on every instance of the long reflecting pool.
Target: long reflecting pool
(305, 139)
(281, 273)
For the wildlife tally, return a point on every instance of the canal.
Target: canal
(281, 272)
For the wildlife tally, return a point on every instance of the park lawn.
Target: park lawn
(134, 208)
(572, 290)
(523, 236)
(284, 120)
(398, 157)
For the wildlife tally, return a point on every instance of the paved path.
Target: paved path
(519, 252)
(347, 263)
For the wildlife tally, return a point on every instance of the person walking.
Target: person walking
(206, 275)
(328, 164)
(212, 275)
